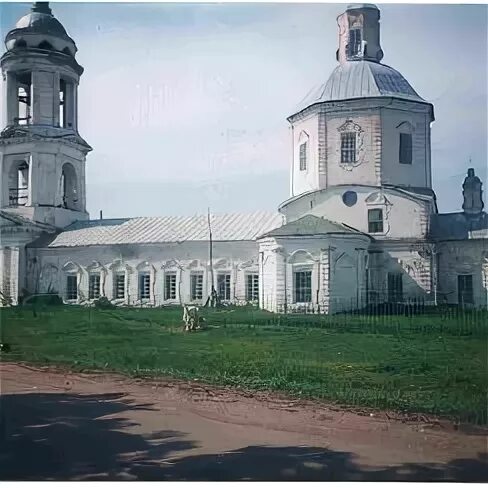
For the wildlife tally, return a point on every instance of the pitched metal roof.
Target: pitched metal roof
(149, 230)
(311, 225)
(457, 226)
(361, 79)
(20, 220)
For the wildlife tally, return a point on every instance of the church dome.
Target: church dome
(41, 23)
(361, 79)
(40, 29)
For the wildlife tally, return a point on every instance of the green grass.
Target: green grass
(435, 363)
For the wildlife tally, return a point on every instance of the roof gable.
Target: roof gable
(311, 225)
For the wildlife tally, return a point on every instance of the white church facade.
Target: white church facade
(361, 225)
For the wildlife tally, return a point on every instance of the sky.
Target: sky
(185, 105)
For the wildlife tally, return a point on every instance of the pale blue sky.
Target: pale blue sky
(185, 105)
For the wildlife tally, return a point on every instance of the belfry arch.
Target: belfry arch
(69, 187)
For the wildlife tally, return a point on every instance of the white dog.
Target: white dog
(191, 317)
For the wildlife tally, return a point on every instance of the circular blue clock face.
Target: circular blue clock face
(350, 198)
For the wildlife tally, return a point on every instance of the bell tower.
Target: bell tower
(359, 33)
(42, 155)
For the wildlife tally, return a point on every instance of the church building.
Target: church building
(361, 225)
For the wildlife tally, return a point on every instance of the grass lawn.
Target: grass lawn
(433, 363)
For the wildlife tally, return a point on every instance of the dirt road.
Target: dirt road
(63, 426)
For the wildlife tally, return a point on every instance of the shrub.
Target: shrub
(103, 303)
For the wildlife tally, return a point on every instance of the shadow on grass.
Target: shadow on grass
(65, 436)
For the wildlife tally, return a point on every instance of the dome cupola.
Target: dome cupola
(39, 29)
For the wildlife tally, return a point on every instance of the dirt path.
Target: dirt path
(62, 426)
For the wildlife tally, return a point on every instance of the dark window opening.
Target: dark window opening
(69, 187)
(196, 285)
(303, 156)
(170, 286)
(20, 44)
(355, 39)
(223, 286)
(348, 147)
(303, 286)
(24, 99)
(71, 287)
(19, 185)
(94, 286)
(465, 289)
(45, 45)
(375, 220)
(252, 287)
(144, 286)
(395, 287)
(62, 103)
(119, 286)
(405, 148)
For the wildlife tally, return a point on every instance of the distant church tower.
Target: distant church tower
(42, 156)
(366, 125)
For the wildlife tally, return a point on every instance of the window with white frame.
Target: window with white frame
(465, 289)
(196, 286)
(144, 285)
(303, 156)
(71, 287)
(252, 287)
(223, 286)
(94, 286)
(302, 286)
(375, 220)
(355, 40)
(170, 286)
(405, 149)
(119, 285)
(348, 147)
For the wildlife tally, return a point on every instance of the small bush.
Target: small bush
(103, 303)
(45, 300)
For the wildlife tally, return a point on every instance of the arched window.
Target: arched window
(45, 45)
(24, 98)
(303, 150)
(69, 187)
(20, 44)
(351, 142)
(18, 184)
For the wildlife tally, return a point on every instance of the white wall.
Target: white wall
(9, 274)
(46, 160)
(401, 257)
(378, 124)
(305, 129)
(463, 257)
(404, 216)
(393, 122)
(368, 149)
(236, 258)
(337, 272)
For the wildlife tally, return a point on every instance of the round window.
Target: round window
(350, 198)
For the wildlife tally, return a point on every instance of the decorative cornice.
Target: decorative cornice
(14, 134)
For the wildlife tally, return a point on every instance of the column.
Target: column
(45, 97)
(69, 101)
(11, 107)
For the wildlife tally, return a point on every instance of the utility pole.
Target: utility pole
(213, 292)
